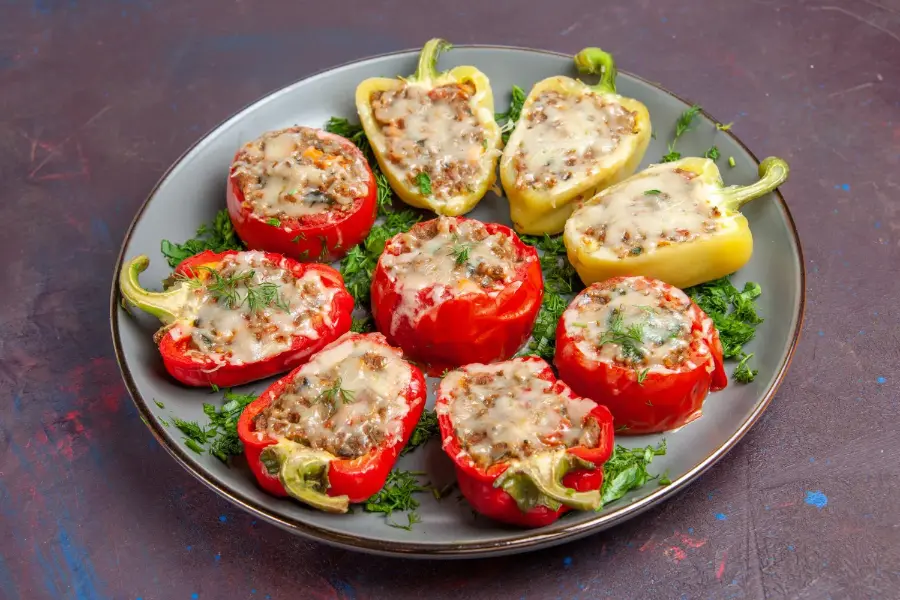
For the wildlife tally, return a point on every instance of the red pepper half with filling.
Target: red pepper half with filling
(234, 317)
(452, 291)
(329, 432)
(302, 192)
(526, 448)
(642, 348)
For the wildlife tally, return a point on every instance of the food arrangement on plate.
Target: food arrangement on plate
(605, 311)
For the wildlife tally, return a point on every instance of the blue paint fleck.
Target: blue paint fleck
(194, 596)
(218, 556)
(881, 380)
(817, 499)
(843, 186)
(344, 589)
(862, 332)
(877, 224)
(690, 530)
(223, 518)
(791, 548)
(253, 591)
(567, 561)
(665, 19)
(188, 548)
(821, 333)
(721, 517)
(812, 459)
(79, 567)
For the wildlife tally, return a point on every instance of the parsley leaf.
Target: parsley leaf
(273, 221)
(426, 428)
(217, 236)
(652, 192)
(626, 470)
(222, 432)
(191, 430)
(712, 153)
(507, 120)
(356, 134)
(423, 181)
(362, 325)
(734, 313)
(397, 495)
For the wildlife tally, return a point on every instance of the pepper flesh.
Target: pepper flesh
(316, 477)
(544, 211)
(651, 400)
(175, 344)
(427, 77)
(697, 259)
(537, 490)
(323, 237)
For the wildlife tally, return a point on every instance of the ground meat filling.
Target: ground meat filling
(567, 136)
(433, 137)
(661, 207)
(297, 172)
(633, 324)
(249, 308)
(349, 400)
(504, 411)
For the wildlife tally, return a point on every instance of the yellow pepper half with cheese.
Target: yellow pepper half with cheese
(433, 134)
(572, 140)
(673, 221)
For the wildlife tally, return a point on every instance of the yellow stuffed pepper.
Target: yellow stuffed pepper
(572, 140)
(674, 221)
(433, 134)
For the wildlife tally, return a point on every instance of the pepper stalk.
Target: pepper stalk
(537, 481)
(304, 474)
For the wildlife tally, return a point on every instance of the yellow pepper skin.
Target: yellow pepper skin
(537, 211)
(683, 226)
(427, 76)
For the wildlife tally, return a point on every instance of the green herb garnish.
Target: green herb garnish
(628, 339)
(507, 120)
(222, 431)
(218, 236)
(460, 253)
(191, 429)
(734, 313)
(731, 162)
(273, 221)
(426, 428)
(712, 153)
(362, 325)
(652, 193)
(334, 393)
(682, 126)
(423, 181)
(626, 470)
(724, 127)
(642, 375)
(158, 403)
(397, 495)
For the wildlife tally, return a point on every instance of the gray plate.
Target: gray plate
(194, 189)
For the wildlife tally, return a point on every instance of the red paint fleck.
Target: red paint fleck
(674, 546)
(721, 570)
(675, 554)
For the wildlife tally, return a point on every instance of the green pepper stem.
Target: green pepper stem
(427, 68)
(304, 474)
(166, 306)
(594, 61)
(537, 480)
(772, 173)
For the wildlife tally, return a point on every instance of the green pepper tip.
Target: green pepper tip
(428, 57)
(538, 481)
(304, 474)
(773, 171)
(166, 306)
(594, 61)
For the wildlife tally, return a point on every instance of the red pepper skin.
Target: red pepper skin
(359, 478)
(663, 401)
(470, 328)
(313, 238)
(477, 484)
(195, 372)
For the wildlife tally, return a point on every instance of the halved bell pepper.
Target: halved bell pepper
(441, 155)
(225, 323)
(673, 221)
(543, 479)
(313, 475)
(571, 141)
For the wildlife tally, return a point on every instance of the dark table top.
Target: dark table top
(98, 98)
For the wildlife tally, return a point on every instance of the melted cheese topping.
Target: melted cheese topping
(505, 411)
(659, 207)
(567, 137)
(349, 399)
(297, 172)
(636, 323)
(251, 308)
(449, 258)
(435, 132)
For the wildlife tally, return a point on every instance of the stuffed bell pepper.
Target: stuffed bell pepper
(453, 291)
(643, 349)
(433, 134)
(674, 221)
(235, 317)
(525, 447)
(328, 433)
(301, 192)
(571, 141)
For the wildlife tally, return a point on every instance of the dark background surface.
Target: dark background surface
(98, 97)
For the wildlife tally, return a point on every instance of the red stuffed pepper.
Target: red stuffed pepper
(235, 317)
(642, 348)
(328, 433)
(302, 192)
(453, 291)
(526, 448)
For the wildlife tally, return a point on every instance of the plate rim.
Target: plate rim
(527, 539)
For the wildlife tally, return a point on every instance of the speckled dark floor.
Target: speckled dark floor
(98, 98)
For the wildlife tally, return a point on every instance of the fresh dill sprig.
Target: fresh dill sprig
(334, 393)
(629, 339)
(507, 120)
(398, 495)
(426, 428)
(460, 252)
(682, 126)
